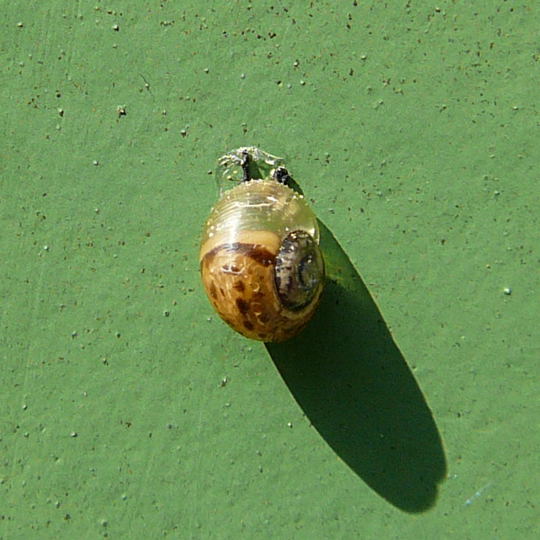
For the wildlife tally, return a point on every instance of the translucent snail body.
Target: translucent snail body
(261, 265)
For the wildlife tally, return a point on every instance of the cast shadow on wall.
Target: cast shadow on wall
(353, 384)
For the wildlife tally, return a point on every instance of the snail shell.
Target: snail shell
(260, 260)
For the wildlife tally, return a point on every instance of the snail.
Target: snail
(261, 264)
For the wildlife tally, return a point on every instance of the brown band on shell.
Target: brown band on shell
(256, 252)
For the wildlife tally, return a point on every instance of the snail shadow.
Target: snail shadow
(353, 384)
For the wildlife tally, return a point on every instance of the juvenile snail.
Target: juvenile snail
(261, 264)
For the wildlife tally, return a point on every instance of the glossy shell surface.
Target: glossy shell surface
(255, 226)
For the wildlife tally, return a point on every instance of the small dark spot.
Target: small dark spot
(239, 286)
(230, 268)
(262, 335)
(209, 257)
(222, 291)
(248, 325)
(264, 318)
(213, 291)
(242, 305)
(260, 255)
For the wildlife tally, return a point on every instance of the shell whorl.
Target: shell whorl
(299, 270)
(258, 205)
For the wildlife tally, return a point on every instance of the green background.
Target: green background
(129, 409)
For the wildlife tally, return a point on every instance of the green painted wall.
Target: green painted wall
(408, 408)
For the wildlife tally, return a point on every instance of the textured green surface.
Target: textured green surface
(129, 409)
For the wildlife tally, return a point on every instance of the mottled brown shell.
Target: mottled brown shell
(241, 242)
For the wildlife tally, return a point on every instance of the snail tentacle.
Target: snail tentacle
(281, 175)
(246, 177)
